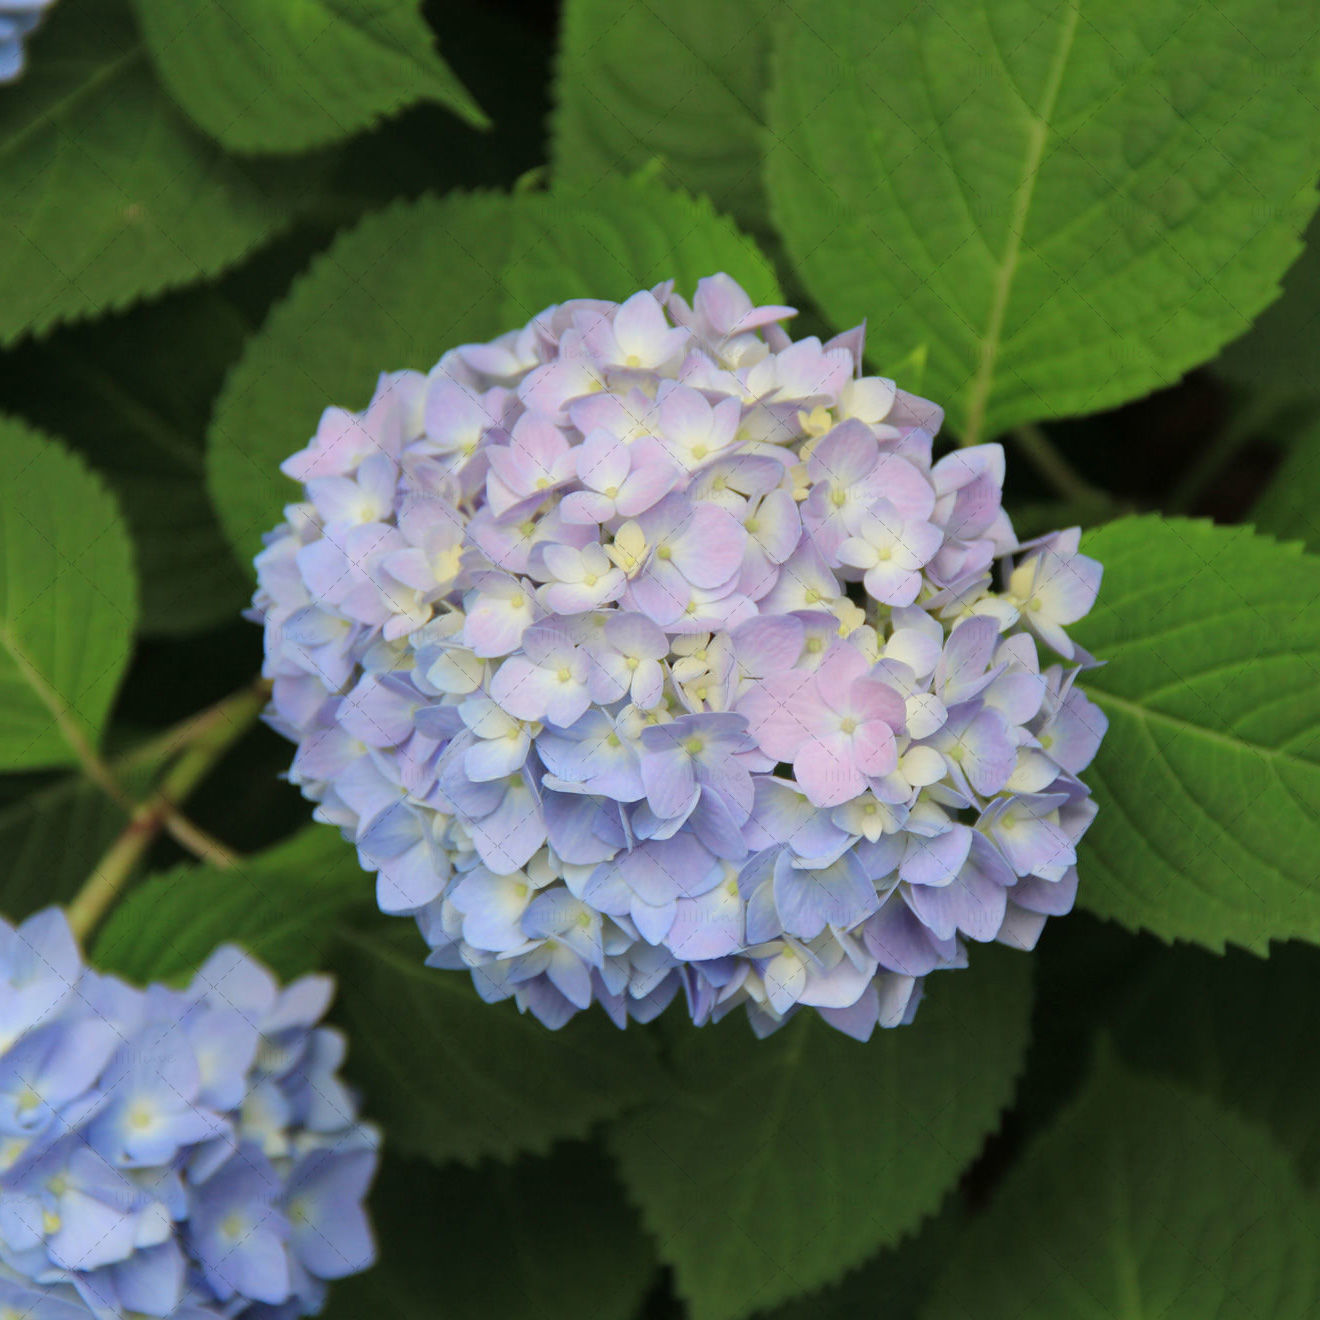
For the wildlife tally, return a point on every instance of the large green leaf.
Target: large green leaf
(1209, 778)
(1074, 203)
(542, 1239)
(109, 194)
(1279, 354)
(893, 1283)
(133, 395)
(414, 281)
(620, 236)
(283, 905)
(285, 75)
(679, 80)
(397, 291)
(453, 1078)
(1235, 1027)
(1144, 1200)
(771, 1167)
(1289, 508)
(67, 601)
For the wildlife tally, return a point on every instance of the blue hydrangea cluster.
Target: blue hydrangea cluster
(17, 20)
(186, 1153)
(645, 649)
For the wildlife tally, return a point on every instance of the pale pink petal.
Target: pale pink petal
(825, 770)
(708, 548)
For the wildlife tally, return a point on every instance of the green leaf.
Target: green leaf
(620, 236)
(453, 1078)
(133, 394)
(1228, 1026)
(683, 81)
(396, 291)
(421, 278)
(1289, 508)
(52, 838)
(283, 905)
(1143, 1200)
(892, 1284)
(1278, 354)
(1209, 778)
(286, 75)
(1074, 204)
(770, 1167)
(109, 195)
(67, 601)
(542, 1239)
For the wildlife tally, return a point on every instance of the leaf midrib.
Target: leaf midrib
(1199, 730)
(1038, 132)
(60, 710)
(64, 104)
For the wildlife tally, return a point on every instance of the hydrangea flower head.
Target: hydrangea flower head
(183, 1153)
(644, 651)
(17, 19)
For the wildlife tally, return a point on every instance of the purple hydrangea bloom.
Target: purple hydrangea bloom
(645, 651)
(182, 1153)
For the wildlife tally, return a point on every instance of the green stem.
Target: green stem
(1061, 475)
(206, 737)
(111, 873)
(204, 740)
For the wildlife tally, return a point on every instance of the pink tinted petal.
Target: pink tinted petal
(841, 667)
(549, 388)
(855, 553)
(895, 479)
(634, 634)
(609, 677)
(340, 441)
(662, 594)
(874, 750)
(781, 712)
(602, 460)
(728, 310)
(769, 644)
(870, 699)
(586, 507)
(684, 412)
(846, 455)
(826, 772)
(640, 326)
(778, 525)
(967, 655)
(563, 561)
(577, 598)
(645, 486)
(917, 542)
(453, 413)
(708, 548)
(966, 467)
